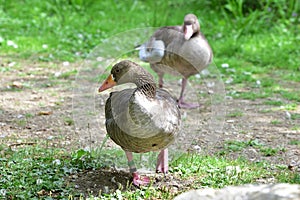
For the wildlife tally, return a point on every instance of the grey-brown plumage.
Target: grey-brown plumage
(142, 119)
(134, 128)
(185, 51)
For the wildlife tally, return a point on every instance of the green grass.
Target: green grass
(52, 30)
(218, 172)
(295, 142)
(236, 146)
(295, 116)
(26, 172)
(36, 172)
(240, 145)
(68, 121)
(276, 122)
(269, 151)
(252, 95)
(273, 102)
(235, 114)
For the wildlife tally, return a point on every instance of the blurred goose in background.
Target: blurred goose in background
(141, 119)
(183, 49)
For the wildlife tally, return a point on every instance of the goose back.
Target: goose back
(187, 57)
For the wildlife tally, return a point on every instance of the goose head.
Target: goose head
(191, 26)
(127, 72)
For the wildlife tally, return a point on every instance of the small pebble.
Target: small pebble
(113, 180)
(288, 115)
(198, 76)
(229, 80)
(11, 64)
(20, 116)
(66, 63)
(210, 84)
(57, 74)
(205, 72)
(74, 176)
(197, 148)
(225, 65)
(247, 73)
(106, 189)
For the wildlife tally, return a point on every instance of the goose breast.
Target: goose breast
(138, 124)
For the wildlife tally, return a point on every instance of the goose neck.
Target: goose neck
(147, 88)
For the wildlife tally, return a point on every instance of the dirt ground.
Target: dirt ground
(38, 105)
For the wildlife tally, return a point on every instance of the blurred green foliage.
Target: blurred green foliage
(261, 32)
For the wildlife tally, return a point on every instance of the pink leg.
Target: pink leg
(156, 67)
(162, 161)
(160, 80)
(137, 179)
(181, 103)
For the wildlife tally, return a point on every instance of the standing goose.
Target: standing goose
(182, 49)
(142, 119)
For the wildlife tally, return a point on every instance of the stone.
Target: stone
(280, 191)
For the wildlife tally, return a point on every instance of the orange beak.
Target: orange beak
(108, 83)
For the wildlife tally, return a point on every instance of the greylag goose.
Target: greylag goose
(140, 119)
(183, 49)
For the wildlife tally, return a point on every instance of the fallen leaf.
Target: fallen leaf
(45, 113)
(17, 84)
